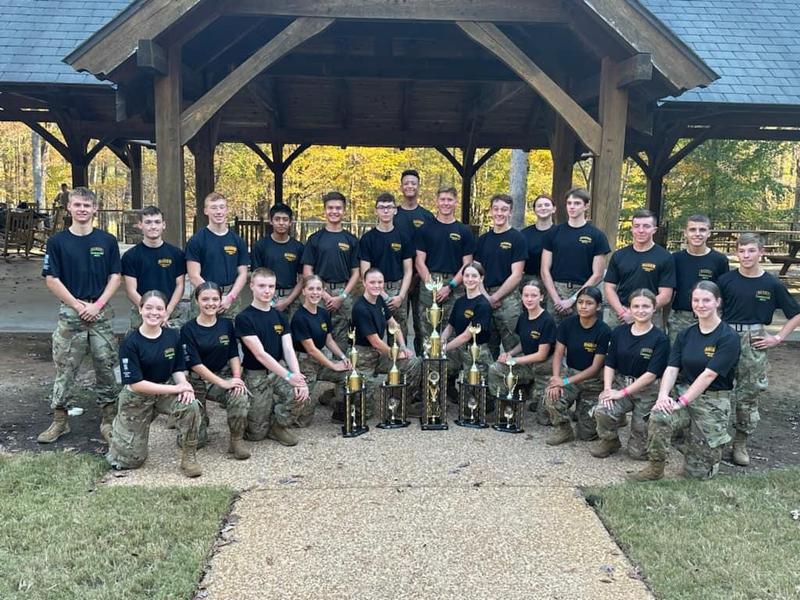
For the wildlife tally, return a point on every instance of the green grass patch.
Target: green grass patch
(61, 537)
(729, 538)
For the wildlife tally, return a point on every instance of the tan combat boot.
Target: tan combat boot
(109, 412)
(562, 433)
(57, 428)
(236, 445)
(282, 435)
(605, 448)
(740, 455)
(189, 464)
(652, 472)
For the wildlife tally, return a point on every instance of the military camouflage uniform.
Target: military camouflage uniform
(273, 399)
(131, 428)
(609, 419)
(400, 315)
(584, 396)
(504, 322)
(340, 319)
(315, 372)
(706, 419)
(678, 321)
(751, 380)
(374, 367)
(565, 290)
(289, 311)
(178, 318)
(497, 377)
(426, 301)
(460, 359)
(73, 338)
(236, 406)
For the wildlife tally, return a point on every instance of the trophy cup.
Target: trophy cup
(508, 415)
(393, 393)
(434, 369)
(471, 403)
(474, 375)
(434, 314)
(355, 409)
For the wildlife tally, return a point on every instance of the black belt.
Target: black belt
(747, 326)
(88, 300)
(570, 285)
(281, 292)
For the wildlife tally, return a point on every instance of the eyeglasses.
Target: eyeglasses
(387, 207)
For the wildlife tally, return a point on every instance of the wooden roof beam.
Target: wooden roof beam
(632, 71)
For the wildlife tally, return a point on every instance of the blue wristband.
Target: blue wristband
(452, 283)
(565, 381)
(288, 375)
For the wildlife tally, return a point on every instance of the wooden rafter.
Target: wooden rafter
(56, 143)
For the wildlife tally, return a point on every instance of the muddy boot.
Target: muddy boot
(563, 433)
(236, 445)
(172, 422)
(109, 412)
(282, 435)
(57, 428)
(740, 455)
(605, 448)
(652, 472)
(305, 420)
(189, 464)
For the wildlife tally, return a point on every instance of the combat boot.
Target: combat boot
(652, 472)
(605, 448)
(282, 435)
(305, 420)
(57, 428)
(189, 464)
(740, 455)
(236, 445)
(563, 433)
(109, 412)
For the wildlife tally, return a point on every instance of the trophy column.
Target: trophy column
(434, 370)
(509, 411)
(355, 409)
(472, 390)
(393, 394)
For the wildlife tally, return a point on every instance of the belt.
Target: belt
(390, 285)
(570, 285)
(281, 292)
(88, 300)
(335, 284)
(627, 380)
(443, 275)
(747, 326)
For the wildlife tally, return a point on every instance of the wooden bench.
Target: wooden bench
(783, 259)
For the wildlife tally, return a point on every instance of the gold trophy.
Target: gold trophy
(355, 408)
(354, 378)
(474, 375)
(394, 352)
(393, 394)
(434, 314)
(511, 379)
(508, 415)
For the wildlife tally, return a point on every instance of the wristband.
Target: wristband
(288, 375)
(232, 296)
(683, 400)
(236, 374)
(625, 392)
(99, 304)
(778, 337)
(343, 294)
(565, 381)
(621, 313)
(343, 357)
(452, 283)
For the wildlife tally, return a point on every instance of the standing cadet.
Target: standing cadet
(409, 219)
(153, 264)
(215, 253)
(535, 234)
(392, 251)
(81, 268)
(642, 265)
(502, 251)
(573, 256)
(278, 391)
(750, 298)
(696, 263)
(332, 253)
(444, 246)
(281, 254)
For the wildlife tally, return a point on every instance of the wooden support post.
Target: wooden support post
(278, 171)
(135, 157)
(171, 190)
(203, 146)
(562, 149)
(467, 172)
(607, 171)
(79, 167)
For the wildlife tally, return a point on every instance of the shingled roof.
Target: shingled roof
(37, 34)
(752, 44)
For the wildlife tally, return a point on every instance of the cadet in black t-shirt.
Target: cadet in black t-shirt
(212, 356)
(152, 367)
(215, 253)
(81, 268)
(637, 356)
(583, 339)
(283, 255)
(153, 264)
(534, 237)
(703, 363)
(311, 332)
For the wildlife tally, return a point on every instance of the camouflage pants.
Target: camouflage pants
(131, 429)
(273, 400)
(497, 377)
(315, 372)
(460, 359)
(751, 381)
(236, 406)
(234, 309)
(707, 422)
(565, 290)
(504, 322)
(414, 313)
(289, 311)
(73, 339)
(678, 321)
(584, 396)
(374, 367)
(401, 314)
(178, 318)
(340, 319)
(608, 419)
(426, 301)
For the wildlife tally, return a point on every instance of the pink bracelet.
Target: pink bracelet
(625, 392)
(99, 304)
(683, 400)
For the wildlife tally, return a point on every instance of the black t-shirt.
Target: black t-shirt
(693, 352)
(333, 254)
(534, 238)
(218, 255)
(633, 355)
(143, 359)
(283, 258)
(689, 269)
(269, 326)
(445, 245)
(386, 250)
(309, 326)
(82, 263)
(751, 300)
(534, 332)
(369, 318)
(472, 311)
(583, 344)
(574, 249)
(497, 252)
(631, 270)
(154, 268)
(410, 221)
(211, 346)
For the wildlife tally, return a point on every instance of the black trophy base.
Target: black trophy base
(506, 428)
(355, 431)
(471, 424)
(433, 425)
(393, 424)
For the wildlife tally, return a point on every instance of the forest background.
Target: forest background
(732, 181)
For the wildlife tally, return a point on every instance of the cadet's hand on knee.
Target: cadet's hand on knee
(301, 393)
(665, 404)
(186, 397)
(297, 380)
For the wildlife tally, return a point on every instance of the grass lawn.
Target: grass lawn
(729, 538)
(61, 537)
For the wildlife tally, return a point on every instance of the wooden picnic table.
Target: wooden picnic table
(787, 260)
